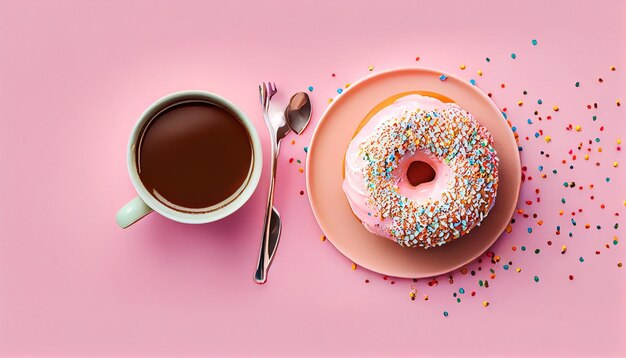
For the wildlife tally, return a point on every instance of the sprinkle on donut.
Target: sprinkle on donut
(454, 136)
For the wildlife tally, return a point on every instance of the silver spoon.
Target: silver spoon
(298, 112)
(298, 115)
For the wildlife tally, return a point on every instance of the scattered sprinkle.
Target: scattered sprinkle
(557, 166)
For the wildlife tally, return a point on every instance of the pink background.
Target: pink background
(75, 75)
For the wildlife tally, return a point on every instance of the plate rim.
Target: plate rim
(358, 83)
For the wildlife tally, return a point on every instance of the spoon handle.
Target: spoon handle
(260, 275)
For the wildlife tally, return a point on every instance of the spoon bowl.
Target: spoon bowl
(298, 112)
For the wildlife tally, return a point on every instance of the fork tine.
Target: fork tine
(263, 94)
(271, 89)
(268, 93)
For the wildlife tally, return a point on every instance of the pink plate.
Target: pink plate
(325, 175)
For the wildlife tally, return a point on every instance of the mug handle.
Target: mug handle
(132, 212)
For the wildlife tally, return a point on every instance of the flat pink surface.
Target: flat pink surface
(75, 75)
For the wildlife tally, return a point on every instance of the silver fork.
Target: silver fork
(278, 128)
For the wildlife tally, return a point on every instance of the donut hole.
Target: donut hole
(420, 172)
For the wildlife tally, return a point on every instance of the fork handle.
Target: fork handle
(263, 264)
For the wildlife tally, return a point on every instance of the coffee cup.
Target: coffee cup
(193, 157)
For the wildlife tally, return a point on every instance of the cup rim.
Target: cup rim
(195, 218)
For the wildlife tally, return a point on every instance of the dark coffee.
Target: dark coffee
(194, 156)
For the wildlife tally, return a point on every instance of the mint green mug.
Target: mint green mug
(145, 203)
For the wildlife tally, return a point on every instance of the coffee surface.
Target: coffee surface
(194, 156)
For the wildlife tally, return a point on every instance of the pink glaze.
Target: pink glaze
(354, 184)
(431, 190)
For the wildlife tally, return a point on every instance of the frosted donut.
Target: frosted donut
(423, 129)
